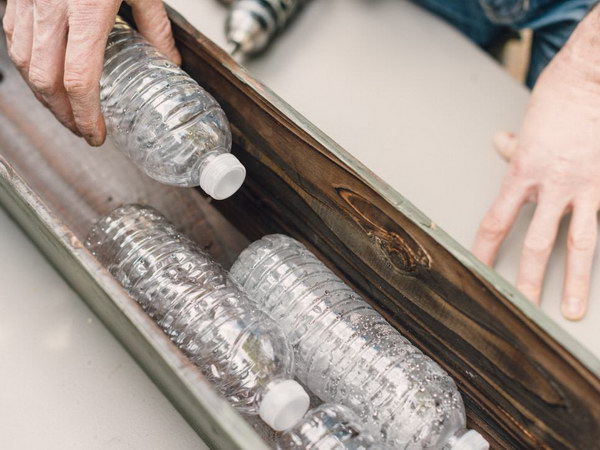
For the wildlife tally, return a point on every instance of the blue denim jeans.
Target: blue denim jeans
(483, 21)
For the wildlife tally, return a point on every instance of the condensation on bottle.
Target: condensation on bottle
(347, 353)
(236, 345)
(328, 427)
(167, 124)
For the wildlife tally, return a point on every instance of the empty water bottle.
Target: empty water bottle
(328, 427)
(236, 345)
(347, 353)
(163, 120)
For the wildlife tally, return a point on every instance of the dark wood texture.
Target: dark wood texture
(522, 388)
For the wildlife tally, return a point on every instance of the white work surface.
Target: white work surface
(407, 95)
(66, 382)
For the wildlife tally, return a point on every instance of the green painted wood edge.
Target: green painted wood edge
(215, 421)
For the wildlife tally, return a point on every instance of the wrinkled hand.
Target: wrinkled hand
(555, 162)
(58, 46)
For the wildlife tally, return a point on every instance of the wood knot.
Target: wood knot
(400, 249)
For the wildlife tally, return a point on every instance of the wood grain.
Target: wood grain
(521, 386)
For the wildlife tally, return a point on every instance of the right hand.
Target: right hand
(58, 46)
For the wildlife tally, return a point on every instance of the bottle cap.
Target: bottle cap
(471, 440)
(222, 176)
(284, 405)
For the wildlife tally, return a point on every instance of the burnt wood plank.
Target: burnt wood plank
(522, 387)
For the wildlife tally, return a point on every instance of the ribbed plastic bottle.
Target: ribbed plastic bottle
(237, 346)
(163, 120)
(347, 353)
(328, 427)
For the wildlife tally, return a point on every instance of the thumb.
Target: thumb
(153, 23)
(506, 144)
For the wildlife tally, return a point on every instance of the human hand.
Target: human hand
(555, 162)
(58, 46)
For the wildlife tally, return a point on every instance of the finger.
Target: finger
(537, 247)
(22, 37)
(46, 67)
(583, 232)
(498, 221)
(153, 23)
(506, 144)
(84, 58)
(8, 21)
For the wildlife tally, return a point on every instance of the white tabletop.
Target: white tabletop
(417, 103)
(65, 381)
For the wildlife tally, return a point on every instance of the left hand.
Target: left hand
(555, 162)
(58, 46)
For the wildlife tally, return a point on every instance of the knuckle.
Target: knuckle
(163, 30)
(79, 12)
(19, 60)
(559, 174)
(492, 228)
(517, 168)
(43, 84)
(581, 241)
(48, 13)
(77, 84)
(7, 26)
(45, 3)
(537, 245)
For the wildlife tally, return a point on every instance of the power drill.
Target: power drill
(252, 24)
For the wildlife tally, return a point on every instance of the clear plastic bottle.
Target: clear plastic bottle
(347, 353)
(163, 120)
(328, 427)
(234, 343)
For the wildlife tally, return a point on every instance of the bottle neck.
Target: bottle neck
(465, 439)
(453, 440)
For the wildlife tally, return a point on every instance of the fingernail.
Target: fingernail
(572, 308)
(94, 140)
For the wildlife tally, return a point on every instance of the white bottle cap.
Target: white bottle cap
(471, 440)
(284, 405)
(222, 176)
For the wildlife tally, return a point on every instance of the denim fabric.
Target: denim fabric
(483, 21)
(505, 11)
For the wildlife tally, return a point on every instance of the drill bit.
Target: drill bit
(252, 24)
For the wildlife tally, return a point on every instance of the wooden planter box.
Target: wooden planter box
(525, 383)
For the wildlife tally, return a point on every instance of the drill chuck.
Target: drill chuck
(252, 24)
